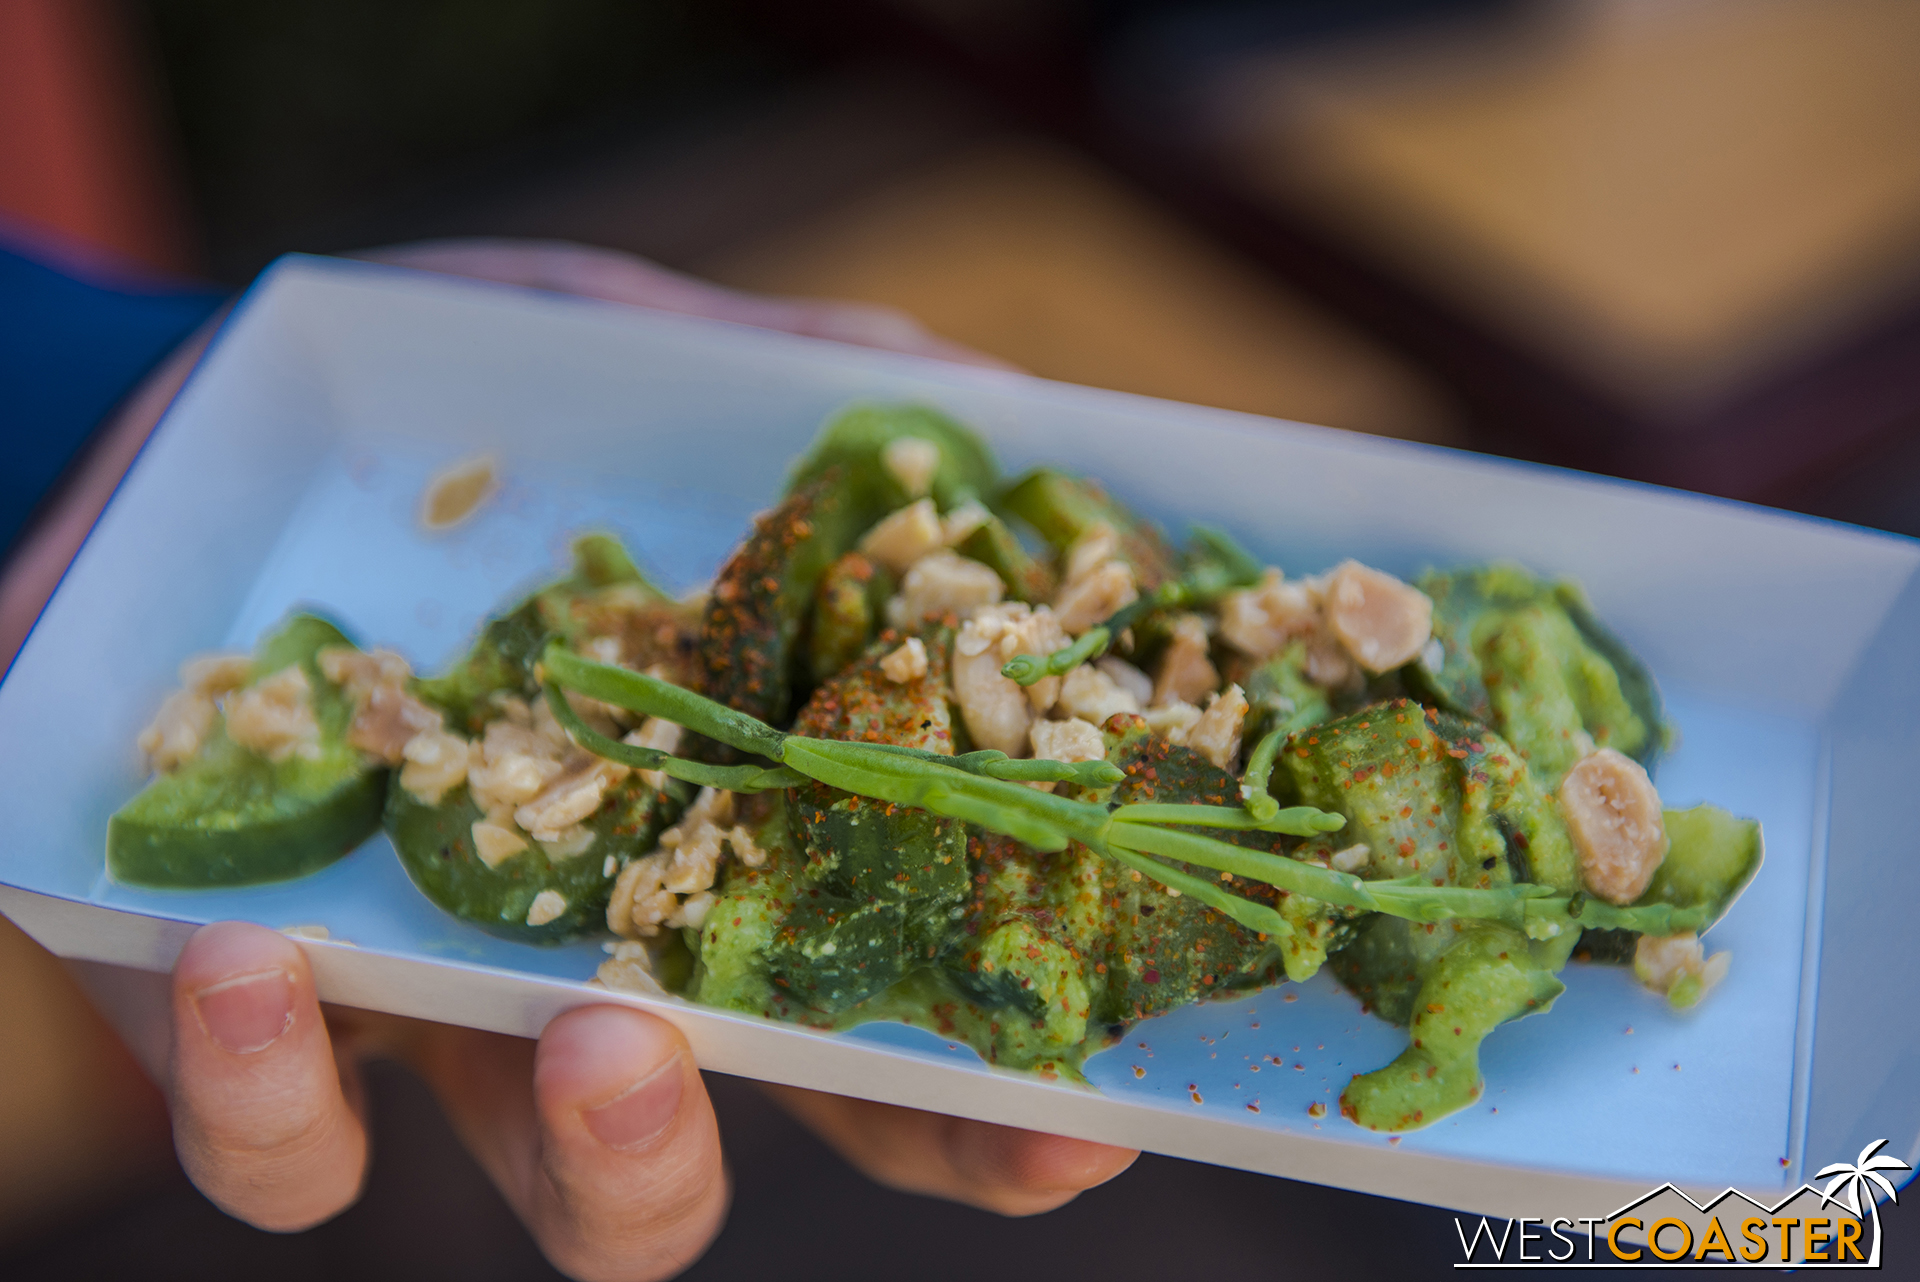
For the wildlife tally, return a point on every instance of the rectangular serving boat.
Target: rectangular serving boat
(289, 471)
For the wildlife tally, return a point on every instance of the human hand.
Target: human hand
(601, 1137)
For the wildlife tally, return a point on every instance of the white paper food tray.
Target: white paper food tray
(289, 472)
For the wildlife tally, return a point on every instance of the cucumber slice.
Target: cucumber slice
(435, 845)
(230, 817)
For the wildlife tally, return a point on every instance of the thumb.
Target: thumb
(260, 1121)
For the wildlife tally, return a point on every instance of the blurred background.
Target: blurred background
(1672, 240)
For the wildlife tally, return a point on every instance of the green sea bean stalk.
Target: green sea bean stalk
(986, 789)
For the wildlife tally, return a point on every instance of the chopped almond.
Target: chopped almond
(912, 461)
(177, 730)
(1259, 621)
(1216, 735)
(1069, 740)
(1090, 599)
(905, 536)
(496, 844)
(436, 764)
(1381, 621)
(215, 674)
(1614, 817)
(456, 493)
(274, 717)
(1186, 675)
(548, 905)
(943, 583)
(1093, 696)
(907, 663)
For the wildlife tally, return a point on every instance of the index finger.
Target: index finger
(996, 1168)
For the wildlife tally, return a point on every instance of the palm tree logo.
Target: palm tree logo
(1862, 1176)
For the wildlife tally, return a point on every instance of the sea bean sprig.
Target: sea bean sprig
(1140, 837)
(1228, 567)
(1259, 772)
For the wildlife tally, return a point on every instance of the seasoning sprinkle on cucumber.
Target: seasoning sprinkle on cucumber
(998, 759)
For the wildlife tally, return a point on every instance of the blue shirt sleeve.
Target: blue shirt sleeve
(70, 350)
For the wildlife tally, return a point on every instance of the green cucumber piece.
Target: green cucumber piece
(1530, 659)
(853, 440)
(230, 817)
(1062, 508)
(435, 846)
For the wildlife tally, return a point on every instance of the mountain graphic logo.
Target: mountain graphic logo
(1812, 1227)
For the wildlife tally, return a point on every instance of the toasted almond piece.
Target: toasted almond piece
(495, 844)
(1172, 721)
(360, 671)
(630, 974)
(274, 716)
(1091, 695)
(907, 663)
(569, 843)
(436, 763)
(693, 910)
(1091, 598)
(387, 720)
(1127, 677)
(1329, 665)
(569, 797)
(217, 674)
(1069, 740)
(745, 848)
(455, 493)
(639, 903)
(1257, 621)
(1186, 675)
(1216, 735)
(697, 842)
(912, 461)
(942, 583)
(904, 536)
(1613, 814)
(178, 729)
(1660, 961)
(547, 906)
(995, 708)
(661, 736)
(1013, 628)
(1381, 621)
(963, 520)
(1097, 545)
(1352, 859)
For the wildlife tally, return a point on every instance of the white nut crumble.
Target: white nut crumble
(1613, 815)
(912, 461)
(1186, 674)
(1215, 735)
(274, 717)
(1382, 622)
(903, 537)
(943, 583)
(456, 492)
(907, 663)
(548, 905)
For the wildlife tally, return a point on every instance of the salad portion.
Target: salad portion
(994, 757)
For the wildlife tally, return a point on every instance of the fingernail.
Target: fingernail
(247, 1013)
(638, 1114)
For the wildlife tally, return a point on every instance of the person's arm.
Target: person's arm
(601, 1136)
